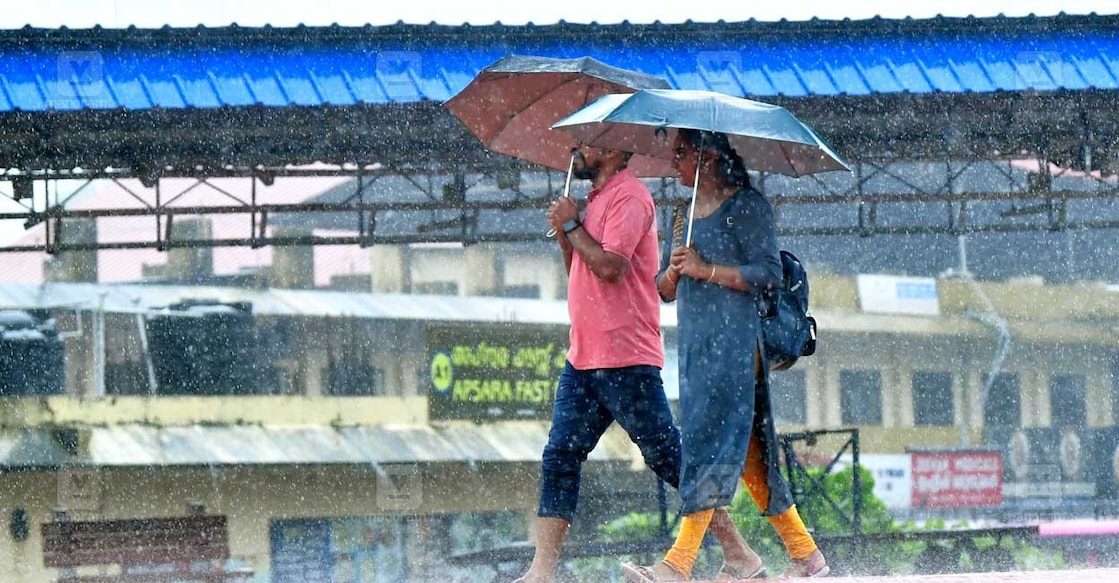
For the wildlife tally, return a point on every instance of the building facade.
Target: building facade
(334, 443)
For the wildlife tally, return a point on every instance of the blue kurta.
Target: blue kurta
(719, 332)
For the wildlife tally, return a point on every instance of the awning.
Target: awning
(136, 445)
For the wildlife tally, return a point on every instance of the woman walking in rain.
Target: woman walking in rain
(726, 416)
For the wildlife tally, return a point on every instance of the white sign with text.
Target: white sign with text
(893, 476)
(891, 294)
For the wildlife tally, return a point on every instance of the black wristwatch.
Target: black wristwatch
(571, 225)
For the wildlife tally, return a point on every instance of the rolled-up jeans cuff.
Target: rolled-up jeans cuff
(542, 513)
(564, 511)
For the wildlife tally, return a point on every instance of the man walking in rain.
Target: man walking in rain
(613, 367)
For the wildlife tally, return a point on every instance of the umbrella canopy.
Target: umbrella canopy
(511, 105)
(767, 137)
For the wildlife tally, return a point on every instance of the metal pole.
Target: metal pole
(99, 348)
(856, 482)
(143, 332)
(962, 242)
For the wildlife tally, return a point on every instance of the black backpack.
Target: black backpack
(789, 331)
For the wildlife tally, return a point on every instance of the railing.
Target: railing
(808, 490)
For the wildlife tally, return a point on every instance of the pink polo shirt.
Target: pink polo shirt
(614, 325)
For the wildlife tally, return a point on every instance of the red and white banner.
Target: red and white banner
(952, 479)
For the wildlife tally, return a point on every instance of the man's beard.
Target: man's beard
(581, 170)
(585, 173)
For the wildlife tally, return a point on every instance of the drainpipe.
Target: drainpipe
(992, 319)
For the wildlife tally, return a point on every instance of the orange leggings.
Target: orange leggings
(789, 526)
(798, 542)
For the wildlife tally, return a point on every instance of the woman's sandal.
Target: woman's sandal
(643, 574)
(729, 573)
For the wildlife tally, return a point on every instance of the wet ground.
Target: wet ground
(1068, 576)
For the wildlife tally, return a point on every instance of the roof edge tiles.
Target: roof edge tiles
(909, 23)
(434, 35)
(56, 70)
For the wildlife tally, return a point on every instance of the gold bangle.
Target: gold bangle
(668, 276)
(712, 276)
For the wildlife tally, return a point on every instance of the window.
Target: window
(788, 391)
(386, 549)
(126, 378)
(348, 550)
(352, 282)
(349, 377)
(932, 399)
(278, 380)
(436, 288)
(861, 397)
(476, 531)
(1066, 401)
(1003, 407)
(528, 291)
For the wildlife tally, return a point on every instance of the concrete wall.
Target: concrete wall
(74, 266)
(389, 268)
(293, 266)
(482, 269)
(190, 263)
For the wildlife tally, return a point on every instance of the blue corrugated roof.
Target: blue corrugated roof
(343, 67)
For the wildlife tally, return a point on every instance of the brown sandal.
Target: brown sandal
(729, 573)
(645, 574)
(812, 566)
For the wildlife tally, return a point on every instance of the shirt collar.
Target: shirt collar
(625, 174)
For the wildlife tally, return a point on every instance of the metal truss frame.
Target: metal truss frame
(1066, 133)
(450, 213)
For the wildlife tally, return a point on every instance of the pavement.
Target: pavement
(1067, 576)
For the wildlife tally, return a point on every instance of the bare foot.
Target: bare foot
(739, 560)
(812, 566)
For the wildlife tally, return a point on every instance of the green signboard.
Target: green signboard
(494, 372)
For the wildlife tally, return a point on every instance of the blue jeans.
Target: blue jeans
(587, 401)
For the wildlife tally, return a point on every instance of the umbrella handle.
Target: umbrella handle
(566, 189)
